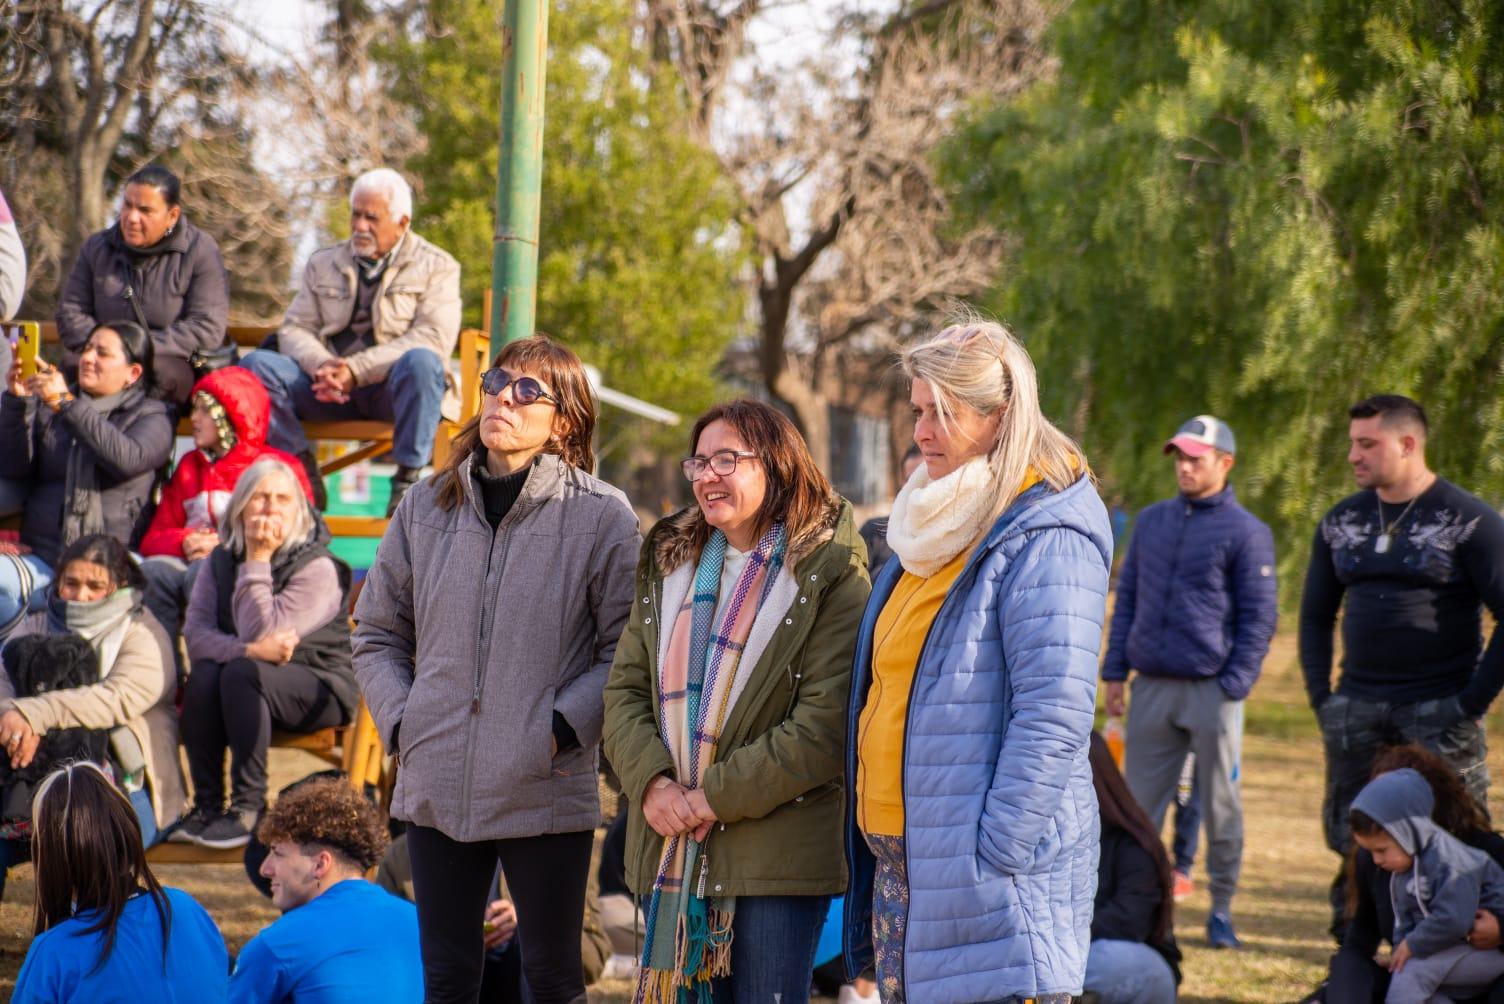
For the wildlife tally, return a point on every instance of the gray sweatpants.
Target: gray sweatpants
(1168, 718)
(1458, 972)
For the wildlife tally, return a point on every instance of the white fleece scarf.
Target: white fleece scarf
(934, 520)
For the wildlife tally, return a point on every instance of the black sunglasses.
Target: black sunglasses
(525, 390)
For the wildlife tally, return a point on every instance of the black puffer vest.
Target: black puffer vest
(326, 651)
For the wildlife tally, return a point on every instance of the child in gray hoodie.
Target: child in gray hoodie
(1437, 883)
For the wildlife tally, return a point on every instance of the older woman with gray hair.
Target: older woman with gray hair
(269, 644)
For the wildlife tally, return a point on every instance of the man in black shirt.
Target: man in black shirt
(1416, 558)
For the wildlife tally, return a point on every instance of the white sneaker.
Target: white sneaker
(620, 967)
(848, 995)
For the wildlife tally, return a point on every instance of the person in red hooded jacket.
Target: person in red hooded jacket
(230, 418)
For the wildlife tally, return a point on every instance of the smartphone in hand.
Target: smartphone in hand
(28, 347)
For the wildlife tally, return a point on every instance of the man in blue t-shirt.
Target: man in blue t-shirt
(340, 938)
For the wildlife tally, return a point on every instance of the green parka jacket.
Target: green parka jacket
(776, 782)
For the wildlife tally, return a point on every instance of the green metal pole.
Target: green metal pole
(519, 176)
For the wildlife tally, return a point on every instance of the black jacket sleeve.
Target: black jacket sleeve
(1319, 604)
(140, 446)
(1126, 913)
(1483, 559)
(18, 454)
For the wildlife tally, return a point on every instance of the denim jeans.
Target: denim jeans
(22, 591)
(410, 398)
(1129, 972)
(773, 941)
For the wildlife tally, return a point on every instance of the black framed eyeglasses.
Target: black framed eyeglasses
(525, 390)
(723, 462)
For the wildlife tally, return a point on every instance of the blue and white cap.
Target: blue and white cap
(1202, 434)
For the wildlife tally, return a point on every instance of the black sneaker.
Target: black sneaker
(225, 832)
(188, 829)
(404, 479)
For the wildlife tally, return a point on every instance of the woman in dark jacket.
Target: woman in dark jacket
(269, 642)
(484, 634)
(1355, 977)
(86, 457)
(1133, 958)
(725, 714)
(155, 268)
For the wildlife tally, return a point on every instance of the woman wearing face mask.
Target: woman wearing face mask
(155, 268)
(86, 455)
(230, 416)
(97, 596)
(269, 644)
(484, 633)
(725, 714)
(973, 832)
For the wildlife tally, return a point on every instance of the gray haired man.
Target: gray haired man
(369, 334)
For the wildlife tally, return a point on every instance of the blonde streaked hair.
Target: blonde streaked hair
(298, 533)
(978, 364)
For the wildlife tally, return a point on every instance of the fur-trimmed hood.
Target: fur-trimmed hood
(671, 542)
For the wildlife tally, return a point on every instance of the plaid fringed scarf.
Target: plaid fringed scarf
(688, 936)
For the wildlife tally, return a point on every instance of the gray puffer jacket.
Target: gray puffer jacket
(467, 641)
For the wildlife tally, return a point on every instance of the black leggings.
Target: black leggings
(234, 705)
(546, 877)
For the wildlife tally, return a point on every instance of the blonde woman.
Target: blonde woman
(972, 827)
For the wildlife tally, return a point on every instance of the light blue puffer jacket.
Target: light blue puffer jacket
(1000, 816)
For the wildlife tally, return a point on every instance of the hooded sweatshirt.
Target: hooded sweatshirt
(1448, 881)
(200, 488)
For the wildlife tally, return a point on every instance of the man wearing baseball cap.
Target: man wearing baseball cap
(1194, 614)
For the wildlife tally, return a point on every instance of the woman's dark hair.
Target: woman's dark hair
(87, 852)
(565, 376)
(107, 552)
(136, 343)
(1453, 809)
(797, 492)
(160, 178)
(1119, 809)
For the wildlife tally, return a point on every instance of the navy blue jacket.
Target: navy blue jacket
(1196, 595)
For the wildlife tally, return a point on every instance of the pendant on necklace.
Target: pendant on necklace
(1381, 545)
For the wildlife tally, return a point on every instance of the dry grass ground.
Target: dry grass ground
(1280, 911)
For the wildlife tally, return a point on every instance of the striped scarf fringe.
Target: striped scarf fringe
(688, 937)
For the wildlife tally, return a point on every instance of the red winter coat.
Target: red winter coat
(200, 488)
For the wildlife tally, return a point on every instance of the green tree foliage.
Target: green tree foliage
(639, 260)
(1264, 209)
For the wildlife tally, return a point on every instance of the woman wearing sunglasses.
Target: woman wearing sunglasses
(485, 631)
(725, 714)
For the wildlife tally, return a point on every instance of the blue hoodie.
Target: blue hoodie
(1448, 882)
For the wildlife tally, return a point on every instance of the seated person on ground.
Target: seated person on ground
(502, 981)
(106, 932)
(1437, 887)
(84, 464)
(1355, 978)
(269, 647)
(153, 268)
(340, 937)
(97, 598)
(1133, 958)
(369, 334)
(230, 412)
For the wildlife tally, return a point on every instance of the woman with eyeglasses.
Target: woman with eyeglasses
(484, 634)
(725, 714)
